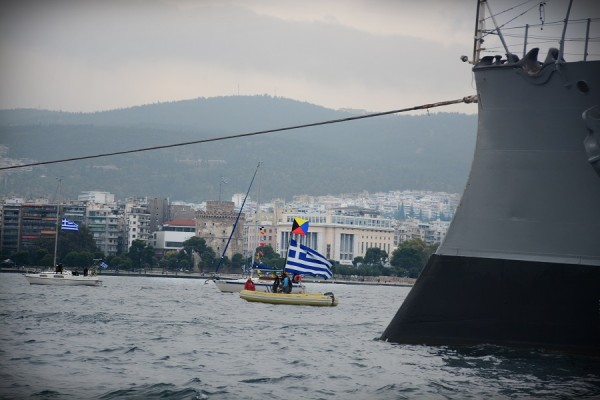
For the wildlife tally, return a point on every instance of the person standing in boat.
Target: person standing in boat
(276, 283)
(249, 285)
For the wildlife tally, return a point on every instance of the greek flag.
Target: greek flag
(69, 225)
(103, 264)
(305, 261)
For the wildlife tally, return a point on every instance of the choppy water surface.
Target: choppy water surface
(140, 338)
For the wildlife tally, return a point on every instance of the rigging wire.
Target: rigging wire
(510, 9)
(511, 20)
(466, 99)
(541, 38)
(559, 23)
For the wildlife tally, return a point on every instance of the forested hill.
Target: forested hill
(398, 152)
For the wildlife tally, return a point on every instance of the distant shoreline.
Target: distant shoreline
(374, 281)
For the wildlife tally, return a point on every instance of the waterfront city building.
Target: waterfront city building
(137, 220)
(340, 234)
(172, 234)
(215, 224)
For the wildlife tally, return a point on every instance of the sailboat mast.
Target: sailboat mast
(256, 232)
(236, 220)
(57, 221)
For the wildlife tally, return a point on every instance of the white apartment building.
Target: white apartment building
(137, 219)
(172, 235)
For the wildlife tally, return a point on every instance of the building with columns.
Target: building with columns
(340, 234)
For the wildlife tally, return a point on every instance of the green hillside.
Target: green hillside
(429, 152)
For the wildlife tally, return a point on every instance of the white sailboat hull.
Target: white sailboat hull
(64, 279)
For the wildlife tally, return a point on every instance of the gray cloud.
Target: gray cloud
(91, 55)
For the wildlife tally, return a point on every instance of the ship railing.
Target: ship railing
(578, 39)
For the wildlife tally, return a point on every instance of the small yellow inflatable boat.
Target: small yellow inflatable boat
(299, 299)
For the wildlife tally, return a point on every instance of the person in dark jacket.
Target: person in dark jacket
(276, 283)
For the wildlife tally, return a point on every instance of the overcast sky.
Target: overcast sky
(374, 55)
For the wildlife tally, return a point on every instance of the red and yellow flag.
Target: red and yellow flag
(300, 226)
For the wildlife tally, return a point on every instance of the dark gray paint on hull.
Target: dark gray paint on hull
(520, 264)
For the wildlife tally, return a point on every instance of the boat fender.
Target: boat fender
(330, 294)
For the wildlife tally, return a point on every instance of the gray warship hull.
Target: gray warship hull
(520, 264)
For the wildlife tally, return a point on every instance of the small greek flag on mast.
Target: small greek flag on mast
(69, 225)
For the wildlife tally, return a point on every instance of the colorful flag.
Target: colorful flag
(262, 236)
(103, 264)
(300, 226)
(305, 261)
(69, 225)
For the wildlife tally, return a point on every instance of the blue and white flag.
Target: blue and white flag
(69, 225)
(305, 261)
(103, 264)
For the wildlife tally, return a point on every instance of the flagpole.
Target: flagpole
(57, 221)
(290, 242)
(288, 249)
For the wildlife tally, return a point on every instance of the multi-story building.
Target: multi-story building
(429, 232)
(339, 234)
(159, 213)
(137, 220)
(106, 226)
(215, 225)
(23, 224)
(75, 212)
(10, 229)
(172, 235)
(37, 221)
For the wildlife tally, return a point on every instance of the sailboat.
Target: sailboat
(520, 264)
(235, 285)
(60, 276)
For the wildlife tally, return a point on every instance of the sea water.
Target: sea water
(143, 338)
